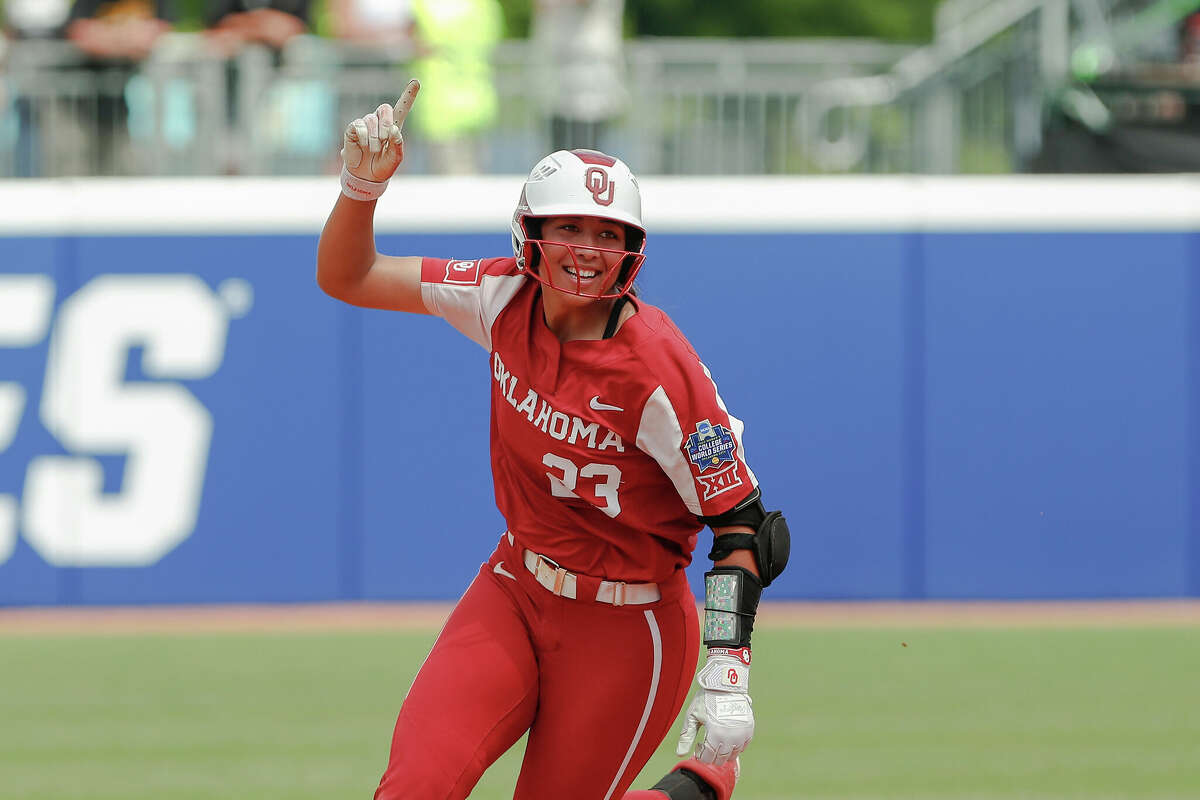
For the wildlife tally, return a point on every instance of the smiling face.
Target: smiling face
(581, 255)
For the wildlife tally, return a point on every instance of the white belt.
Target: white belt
(563, 583)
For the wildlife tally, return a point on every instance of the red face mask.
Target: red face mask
(582, 271)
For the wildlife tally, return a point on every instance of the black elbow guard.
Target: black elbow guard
(771, 542)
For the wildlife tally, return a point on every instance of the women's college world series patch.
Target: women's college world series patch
(710, 447)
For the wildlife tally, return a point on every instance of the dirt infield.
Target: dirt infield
(423, 616)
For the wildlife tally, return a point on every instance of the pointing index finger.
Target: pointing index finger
(405, 103)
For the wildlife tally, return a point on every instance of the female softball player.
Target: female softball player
(611, 449)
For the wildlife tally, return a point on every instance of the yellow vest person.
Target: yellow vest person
(456, 39)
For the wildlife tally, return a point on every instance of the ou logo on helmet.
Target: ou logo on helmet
(597, 182)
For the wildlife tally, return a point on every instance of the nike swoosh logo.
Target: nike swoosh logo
(596, 405)
(500, 570)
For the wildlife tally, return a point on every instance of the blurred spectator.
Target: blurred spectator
(454, 40)
(35, 19)
(1189, 39)
(116, 37)
(578, 47)
(26, 20)
(386, 23)
(232, 24)
(256, 36)
(123, 31)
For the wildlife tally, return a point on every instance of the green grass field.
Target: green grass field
(990, 713)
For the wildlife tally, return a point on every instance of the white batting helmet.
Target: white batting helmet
(580, 183)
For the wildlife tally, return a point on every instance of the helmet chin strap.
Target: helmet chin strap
(614, 316)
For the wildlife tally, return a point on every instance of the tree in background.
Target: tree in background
(892, 20)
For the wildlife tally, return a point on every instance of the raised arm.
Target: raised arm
(348, 265)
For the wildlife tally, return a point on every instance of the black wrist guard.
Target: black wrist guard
(731, 597)
(683, 784)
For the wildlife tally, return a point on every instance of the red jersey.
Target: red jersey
(603, 452)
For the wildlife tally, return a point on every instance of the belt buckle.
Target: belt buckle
(560, 574)
(618, 593)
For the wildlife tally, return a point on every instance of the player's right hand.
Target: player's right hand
(722, 708)
(373, 146)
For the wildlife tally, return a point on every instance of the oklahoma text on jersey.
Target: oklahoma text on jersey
(543, 416)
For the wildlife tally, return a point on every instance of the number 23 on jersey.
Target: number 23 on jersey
(603, 480)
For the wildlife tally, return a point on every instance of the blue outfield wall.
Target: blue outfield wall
(940, 414)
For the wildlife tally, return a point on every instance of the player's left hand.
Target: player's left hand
(721, 706)
(373, 145)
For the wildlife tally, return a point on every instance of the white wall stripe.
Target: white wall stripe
(659, 436)
(656, 640)
(428, 204)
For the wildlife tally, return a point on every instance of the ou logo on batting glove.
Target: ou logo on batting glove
(597, 182)
(733, 676)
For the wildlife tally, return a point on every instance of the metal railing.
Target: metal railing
(697, 107)
(974, 100)
(969, 102)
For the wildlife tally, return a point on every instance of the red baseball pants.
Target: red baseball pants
(596, 686)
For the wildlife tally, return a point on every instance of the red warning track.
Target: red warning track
(420, 616)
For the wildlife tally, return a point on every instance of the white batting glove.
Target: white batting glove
(722, 706)
(373, 147)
